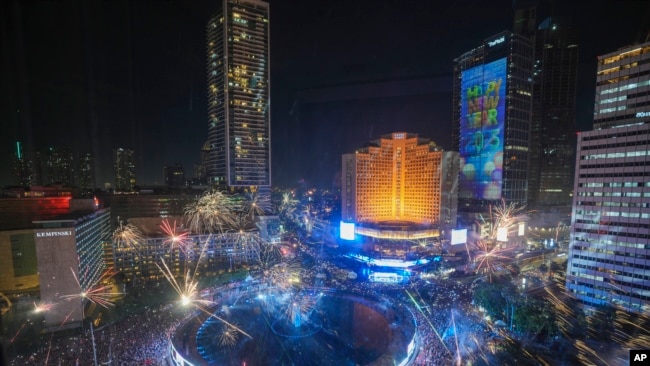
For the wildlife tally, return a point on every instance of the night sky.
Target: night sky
(96, 75)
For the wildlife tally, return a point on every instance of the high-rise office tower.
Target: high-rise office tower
(239, 121)
(124, 165)
(25, 168)
(60, 166)
(492, 99)
(622, 87)
(553, 123)
(86, 172)
(609, 254)
(174, 175)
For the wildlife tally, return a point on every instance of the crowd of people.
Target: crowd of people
(137, 340)
(447, 325)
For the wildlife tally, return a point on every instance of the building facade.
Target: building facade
(492, 114)
(609, 254)
(399, 178)
(239, 110)
(174, 175)
(86, 173)
(622, 87)
(69, 251)
(27, 167)
(124, 167)
(127, 206)
(60, 166)
(552, 149)
(208, 253)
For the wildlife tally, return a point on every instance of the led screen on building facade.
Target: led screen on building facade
(483, 99)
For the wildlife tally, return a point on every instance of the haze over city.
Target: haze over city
(102, 75)
(251, 182)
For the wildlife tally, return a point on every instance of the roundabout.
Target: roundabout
(260, 325)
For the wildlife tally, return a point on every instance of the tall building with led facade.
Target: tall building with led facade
(239, 110)
(609, 254)
(124, 167)
(492, 111)
(397, 181)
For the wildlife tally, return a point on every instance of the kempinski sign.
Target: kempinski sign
(52, 234)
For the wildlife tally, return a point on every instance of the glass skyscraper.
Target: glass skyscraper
(239, 113)
(554, 107)
(124, 165)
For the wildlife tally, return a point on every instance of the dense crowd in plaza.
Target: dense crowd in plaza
(137, 340)
(143, 339)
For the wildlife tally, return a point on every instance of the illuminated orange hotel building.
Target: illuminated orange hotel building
(400, 187)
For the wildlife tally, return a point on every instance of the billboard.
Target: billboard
(482, 122)
(502, 234)
(458, 236)
(346, 230)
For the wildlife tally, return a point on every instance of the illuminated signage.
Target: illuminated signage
(346, 230)
(51, 234)
(502, 234)
(496, 41)
(482, 121)
(522, 229)
(458, 236)
(642, 114)
(385, 277)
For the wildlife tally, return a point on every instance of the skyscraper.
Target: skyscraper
(622, 87)
(86, 173)
(239, 113)
(27, 168)
(492, 99)
(609, 254)
(124, 165)
(553, 125)
(60, 166)
(174, 175)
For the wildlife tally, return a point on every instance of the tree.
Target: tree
(555, 268)
(543, 269)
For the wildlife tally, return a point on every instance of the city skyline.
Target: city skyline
(141, 85)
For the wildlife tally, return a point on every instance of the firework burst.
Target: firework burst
(256, 204)
(300, 306)
(288, 203)
(489, 259)
(42, 307)
(95, 291)
(505, 217)
(247, 239)
(176, 238)
(284, 275)
(188, 292)
(127, 237)
(213, 212)
(228, 335)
